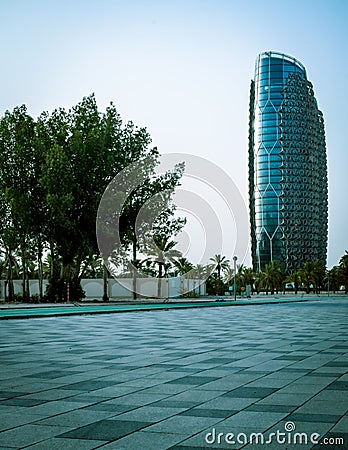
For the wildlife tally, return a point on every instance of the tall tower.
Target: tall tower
(288, 187)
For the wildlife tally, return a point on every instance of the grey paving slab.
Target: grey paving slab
(195, 395)
(232, 403)
(105, 430)
(335, 407)
(66, 444)
(150, 414)
(77, 418)
(183, 424)
(341, 426)
(254, 419)
(29, 434)
(163, 379)
(146, 440)
(279, 398)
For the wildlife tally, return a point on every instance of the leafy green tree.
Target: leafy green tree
(53, 172)
(17, 178)
(91, 148)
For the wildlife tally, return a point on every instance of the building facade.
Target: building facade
(288, 189)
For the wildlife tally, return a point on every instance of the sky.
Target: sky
(182, 69)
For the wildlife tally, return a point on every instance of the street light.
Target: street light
(234, 277)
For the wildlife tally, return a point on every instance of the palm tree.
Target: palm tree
(201, 272)
(273, 277)
(183, 266)
(307, 276)
(228, 274)
(334, 279)
(249, 277)
(259, 281)
(319, 271)
(244, 276)
(294, 278)
(220, 263)
(344, 270)
(162, 250)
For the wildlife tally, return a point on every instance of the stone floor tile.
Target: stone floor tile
(279, 398)
(29, 434)
(76, 418)
(104, 430)
(150, 413)
(66, 444)
(146, 440)
(183, 424)
(160, 371)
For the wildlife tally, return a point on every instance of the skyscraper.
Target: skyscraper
(287, 166)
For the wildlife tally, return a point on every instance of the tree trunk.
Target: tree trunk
(52, 260)
(220, 283)
(24, 274)
(10, 279)
(134, 271)
(105, 283)
(39, 262)
(159, 285)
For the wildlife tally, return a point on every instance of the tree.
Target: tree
(343, 264)
(273, 277)
(201, 272)
(149, 207)
(161, 250)
(307, 276)
(183, 266)
(18, 176)
(249, 277)
(319, 273)
(334, 279)
(220, 263)
(294, 278)
(53, 173)
(259, 281)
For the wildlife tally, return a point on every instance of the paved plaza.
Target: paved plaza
(178, 379)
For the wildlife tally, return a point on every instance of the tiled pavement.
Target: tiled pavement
(177, 379)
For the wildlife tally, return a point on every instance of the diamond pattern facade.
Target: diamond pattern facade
(287, 165)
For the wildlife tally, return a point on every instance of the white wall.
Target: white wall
(121, 287)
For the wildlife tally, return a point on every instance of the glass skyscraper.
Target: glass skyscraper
(288, 187)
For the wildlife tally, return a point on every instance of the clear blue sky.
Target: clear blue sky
(182, 69)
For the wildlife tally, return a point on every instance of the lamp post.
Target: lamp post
(234, 277)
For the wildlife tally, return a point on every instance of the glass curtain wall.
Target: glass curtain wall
(266, 156)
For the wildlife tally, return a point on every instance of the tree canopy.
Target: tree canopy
(53, 172)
